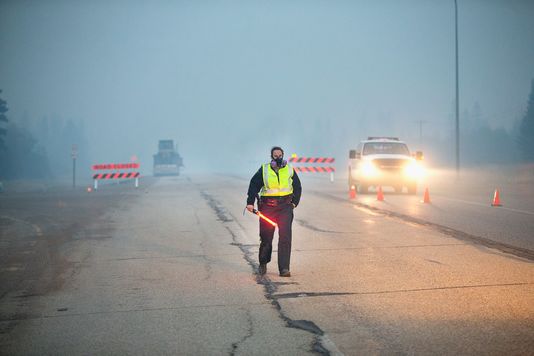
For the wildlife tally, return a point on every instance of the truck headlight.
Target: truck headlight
(369, 169)
(414, 170)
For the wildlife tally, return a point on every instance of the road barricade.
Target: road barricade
(115, 175)
(314, 168)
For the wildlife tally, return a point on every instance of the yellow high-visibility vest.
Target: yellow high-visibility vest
(277, 185)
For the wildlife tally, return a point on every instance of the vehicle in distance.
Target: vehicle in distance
(167, 161)
(384, 161)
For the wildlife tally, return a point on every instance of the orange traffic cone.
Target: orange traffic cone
(352, 192)
(496, 199)
(426, 197)
(379, 194)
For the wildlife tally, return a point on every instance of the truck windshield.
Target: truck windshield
(166, 145)
(373, 148)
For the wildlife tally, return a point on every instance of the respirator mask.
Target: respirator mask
(279, 162)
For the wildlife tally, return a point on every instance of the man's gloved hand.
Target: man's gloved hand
(250, 208)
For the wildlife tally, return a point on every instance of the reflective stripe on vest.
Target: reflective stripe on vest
(277, 186)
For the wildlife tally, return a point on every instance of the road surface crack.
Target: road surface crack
(207, 261)
(321, 343)
(249, 334)
(220, 211)
(328, 294)
(307, 225)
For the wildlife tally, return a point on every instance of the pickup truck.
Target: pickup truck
(384, 161)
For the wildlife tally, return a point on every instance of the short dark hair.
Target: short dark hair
(276, 148)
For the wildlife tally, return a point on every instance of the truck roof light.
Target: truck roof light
(382, 138)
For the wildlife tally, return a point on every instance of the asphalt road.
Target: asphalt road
(461, 203)
(169, 268)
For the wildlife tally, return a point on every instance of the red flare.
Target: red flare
(264, 217)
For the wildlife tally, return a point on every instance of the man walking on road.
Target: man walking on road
(280, 190)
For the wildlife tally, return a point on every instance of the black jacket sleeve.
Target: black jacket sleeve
(297, 189)
(254, 187)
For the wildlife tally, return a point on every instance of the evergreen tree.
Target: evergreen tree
(526, 129)
(20, 157)
(3, 118)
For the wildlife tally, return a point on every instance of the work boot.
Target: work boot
(263, 269)
(285, 273)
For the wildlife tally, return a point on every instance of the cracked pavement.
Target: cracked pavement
(170, 268)
(167, 279)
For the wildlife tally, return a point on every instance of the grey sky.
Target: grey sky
(232, 78)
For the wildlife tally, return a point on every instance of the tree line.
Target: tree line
(480, 143)
(41, 149)
(526, 129)
(38, 149)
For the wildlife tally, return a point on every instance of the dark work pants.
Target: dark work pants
(282, 214)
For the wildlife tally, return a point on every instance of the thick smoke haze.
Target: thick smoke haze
(229, 79)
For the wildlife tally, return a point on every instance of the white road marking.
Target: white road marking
(36, 228)
(13, 268)
(487, 205)
(365, 210)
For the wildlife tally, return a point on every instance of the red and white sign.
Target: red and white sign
(312, 159)
(315, 169)
(108, 166)
(116, 175)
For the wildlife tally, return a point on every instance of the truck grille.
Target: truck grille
(390, 164)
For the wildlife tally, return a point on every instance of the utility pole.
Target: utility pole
(74, 154)
(421, 122)
(457, 94)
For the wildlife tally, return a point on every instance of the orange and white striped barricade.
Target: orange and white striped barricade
(116, 175)
(314, 168)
